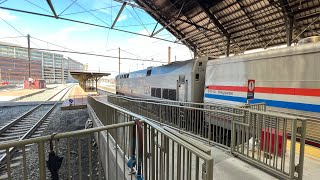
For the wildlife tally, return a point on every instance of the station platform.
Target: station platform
(16, 94)
(77, 99)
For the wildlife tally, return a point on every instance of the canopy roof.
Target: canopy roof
(208, 26)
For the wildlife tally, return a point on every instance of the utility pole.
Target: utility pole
(119, 60)
(29, 58)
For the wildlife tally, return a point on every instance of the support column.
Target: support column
(195, 53)
(228, 47)
(289, 30)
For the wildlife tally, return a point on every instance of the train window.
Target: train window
(200, 63)
(149, 72)
(153, 92)
(197, 77)
(158, 92)
(172, 95)
(165, 93)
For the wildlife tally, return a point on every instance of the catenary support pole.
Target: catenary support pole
(29, 58)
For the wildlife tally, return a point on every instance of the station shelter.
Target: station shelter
(88, 81)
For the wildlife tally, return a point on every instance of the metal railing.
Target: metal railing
(165, 155)
(208, 123)
(262, 139)
(257, 106)
(256, 135)
(132, 147)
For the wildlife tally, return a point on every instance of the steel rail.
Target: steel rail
(18, 119)
(38, 123)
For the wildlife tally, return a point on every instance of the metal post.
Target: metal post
(293, 148)
(289, 29)
(302, 146)
(119, 60)
(29, 58)
(42, 161)
(195, 53)
(228, 47)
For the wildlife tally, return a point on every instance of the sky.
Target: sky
(86, 38)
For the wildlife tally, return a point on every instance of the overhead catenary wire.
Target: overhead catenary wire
(12, 37)
(84, 53)
(67, 7)
(91, 10)
(90, 13)
(16, 29)
(3, 1)
(38, 6)
(86, 23)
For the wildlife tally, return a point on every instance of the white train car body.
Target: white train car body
(284, 78)
(182, 81)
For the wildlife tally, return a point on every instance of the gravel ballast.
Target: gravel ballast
(64, 121)
(7, 114)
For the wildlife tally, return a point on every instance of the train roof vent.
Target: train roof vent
(312, 39)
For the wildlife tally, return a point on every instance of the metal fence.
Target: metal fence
(164, 154)
(263, 139)
(256, 106)
(250, 133)
(132, 147)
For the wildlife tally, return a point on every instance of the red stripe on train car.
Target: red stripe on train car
(271, 90)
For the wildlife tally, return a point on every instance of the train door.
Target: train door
(182, 88)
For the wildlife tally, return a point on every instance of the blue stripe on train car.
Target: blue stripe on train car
(275, 103)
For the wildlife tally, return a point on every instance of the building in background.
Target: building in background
(52, 67)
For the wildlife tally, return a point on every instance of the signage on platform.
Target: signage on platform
(251, 86)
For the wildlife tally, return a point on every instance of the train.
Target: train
(286, 79)
(178, 81)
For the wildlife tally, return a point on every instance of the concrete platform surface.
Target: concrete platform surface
(18, 93)
(78, 97)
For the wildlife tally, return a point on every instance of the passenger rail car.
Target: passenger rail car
(181, 81)
(284, 78)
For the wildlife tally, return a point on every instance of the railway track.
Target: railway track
(28, 125)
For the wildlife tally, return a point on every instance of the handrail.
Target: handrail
(193, 108)
(9, 144)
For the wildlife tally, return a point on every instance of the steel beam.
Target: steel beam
(212, 17)
(250, 18)
(82, 22)
(164, 22)
(52, 9)
(228, 47)
(169, 24)
(289, 30)
(288, 17)
(118, 15)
